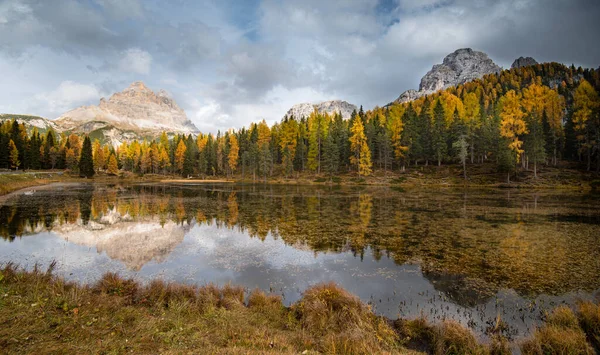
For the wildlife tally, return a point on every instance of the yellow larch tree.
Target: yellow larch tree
(451, 103)
(585, 104)
(98, 153)
(534, 104)
(13, 155)
(396, 126)
(180, 155)
(113, 167)
(361, 155)
(234, 150)
(512, 124)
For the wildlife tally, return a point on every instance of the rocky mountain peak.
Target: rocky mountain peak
(523, 62)
(305, 109)
(138, 86)
(458, 67)
(137, 110)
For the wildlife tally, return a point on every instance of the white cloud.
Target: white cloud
(210, 115)
(136, 60)
(67, 96)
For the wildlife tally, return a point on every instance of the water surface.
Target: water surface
(464, 255)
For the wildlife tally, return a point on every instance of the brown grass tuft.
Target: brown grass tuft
(232, 296)
(342, 321)
(589, 318)
(452, 338)
(564, 317)
(261, 301)
(560, 335)
(113, 284)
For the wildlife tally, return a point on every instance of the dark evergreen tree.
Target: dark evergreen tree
(331, 155)
(86, 162)
(4, 140)
(439, 143)
(16, 137)
(424, 125)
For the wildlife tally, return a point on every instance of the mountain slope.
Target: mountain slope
(42, 124)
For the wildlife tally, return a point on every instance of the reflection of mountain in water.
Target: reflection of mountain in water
(468, 244)
(133, 243)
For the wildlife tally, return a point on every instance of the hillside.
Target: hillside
(42, 124)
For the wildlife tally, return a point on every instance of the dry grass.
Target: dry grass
(41, 313)
(342, 322)
(589, 319)
(452, 338)
(560, 335)
(13, 182)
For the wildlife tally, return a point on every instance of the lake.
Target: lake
(468, 255)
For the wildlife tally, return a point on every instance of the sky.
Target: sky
(228, 63)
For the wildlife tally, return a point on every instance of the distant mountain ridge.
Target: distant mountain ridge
(42, 124)
(305, 109)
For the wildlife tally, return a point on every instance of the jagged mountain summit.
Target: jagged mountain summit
(458, 67)
(523, 62)
(133, 113)
(330, 107)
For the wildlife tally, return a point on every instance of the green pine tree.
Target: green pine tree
(86, 161)
(439, 144)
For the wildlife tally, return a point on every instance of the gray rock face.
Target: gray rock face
(136, 109)
(523, 62)
(458, 67)
(329, 107)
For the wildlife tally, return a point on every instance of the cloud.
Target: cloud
(66, 25)
(229, 63)
(136, 60)
(67, 96)
(186, 45)
(123, 9)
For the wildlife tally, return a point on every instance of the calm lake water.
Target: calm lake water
(465, 255)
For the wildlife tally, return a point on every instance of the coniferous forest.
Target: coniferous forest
(520, 119)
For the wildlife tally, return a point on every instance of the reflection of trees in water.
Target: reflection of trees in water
(501, 240)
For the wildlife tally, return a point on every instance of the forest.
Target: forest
(521, 119)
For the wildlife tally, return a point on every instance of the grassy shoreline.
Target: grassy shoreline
(40, 312)
(13, 182)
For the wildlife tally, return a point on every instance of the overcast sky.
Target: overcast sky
(232, 62)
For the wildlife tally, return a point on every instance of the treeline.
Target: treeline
(20, 150)
(518, 119)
